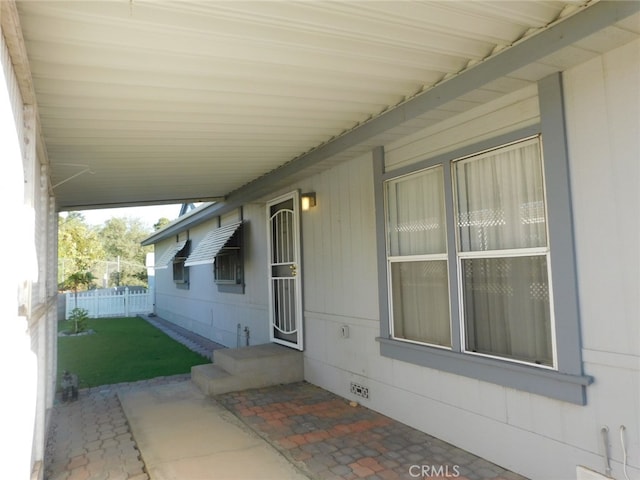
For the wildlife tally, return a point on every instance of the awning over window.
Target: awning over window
(168, 256)
(206, 251)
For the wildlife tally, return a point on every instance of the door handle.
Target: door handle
(294, 270)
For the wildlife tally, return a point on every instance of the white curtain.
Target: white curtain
(416, 214)
(500, 199)
(420, 298)
(419, 286)
(500, 206)
(506, 307)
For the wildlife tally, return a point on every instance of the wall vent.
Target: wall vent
(359, 390)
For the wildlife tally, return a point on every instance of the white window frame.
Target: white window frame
(508, 254)
(407, 259)
(411, 258)
(503, 253)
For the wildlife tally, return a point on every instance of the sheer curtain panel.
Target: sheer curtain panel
(503, 253)
(418, 258)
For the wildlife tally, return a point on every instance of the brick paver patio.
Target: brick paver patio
(89, 439)
(335, 440)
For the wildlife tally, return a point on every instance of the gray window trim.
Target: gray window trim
(567, 383)
(237, 288)
(550, 383)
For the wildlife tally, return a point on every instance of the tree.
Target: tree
(121, 239)
(77, 280)
(162, 221)
(111, 251)
(79, 249)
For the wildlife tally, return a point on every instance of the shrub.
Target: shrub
(78, 318)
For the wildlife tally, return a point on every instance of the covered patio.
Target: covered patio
(138, 103)
(131, 102)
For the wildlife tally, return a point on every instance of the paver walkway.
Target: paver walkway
(90, 439)
(335, 440)
(193, 341)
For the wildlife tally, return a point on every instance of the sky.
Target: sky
(149, 215)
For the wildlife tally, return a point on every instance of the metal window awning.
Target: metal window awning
(206, 251)
(169, 255)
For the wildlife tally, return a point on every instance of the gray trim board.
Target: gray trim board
(560, 224)
(584, 23)
(381, 238)
(561, 386)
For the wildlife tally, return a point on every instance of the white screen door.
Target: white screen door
(285, 274)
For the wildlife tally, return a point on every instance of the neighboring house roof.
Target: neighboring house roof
(149, 102)
(175, 226)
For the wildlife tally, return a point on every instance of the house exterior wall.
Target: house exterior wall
(213, 314)
(551, 436)
(537, 436)
(340, 277)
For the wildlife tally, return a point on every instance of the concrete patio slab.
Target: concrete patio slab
(183, 434)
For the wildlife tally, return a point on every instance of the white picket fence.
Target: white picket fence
(110, 303)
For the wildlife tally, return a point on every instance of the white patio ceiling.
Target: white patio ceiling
(172, 101)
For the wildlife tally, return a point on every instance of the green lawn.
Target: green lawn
(122, 350)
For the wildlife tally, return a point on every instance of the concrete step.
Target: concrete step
(202, 375)
(265, 358)
(249, 367)
(213, 380)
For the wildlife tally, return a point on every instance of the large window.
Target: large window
(476, 259)
(501, 255)
(469, 245)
